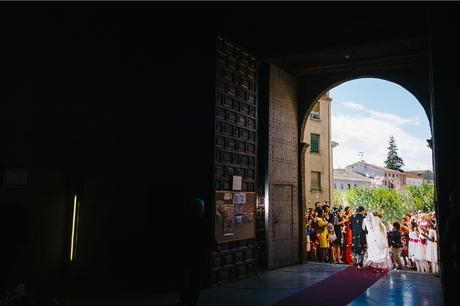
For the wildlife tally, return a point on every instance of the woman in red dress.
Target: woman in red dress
(347, 257)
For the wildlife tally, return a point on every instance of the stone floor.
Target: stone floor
(396, 288)
(268, 287)
(403, 288)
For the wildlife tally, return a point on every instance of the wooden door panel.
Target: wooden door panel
(282, 220)
(235, 150)
(283, 233)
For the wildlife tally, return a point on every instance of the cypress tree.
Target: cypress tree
(393, 161)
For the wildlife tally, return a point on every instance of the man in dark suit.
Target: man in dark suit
(358, 245)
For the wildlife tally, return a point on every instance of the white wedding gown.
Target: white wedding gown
(378, 252)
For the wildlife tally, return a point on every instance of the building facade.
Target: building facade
(418, 177)
(344, 179)
(381, 176)
(318, 155)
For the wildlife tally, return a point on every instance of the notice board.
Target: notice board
(235, 215)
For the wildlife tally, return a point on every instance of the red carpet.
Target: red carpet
(338, 289)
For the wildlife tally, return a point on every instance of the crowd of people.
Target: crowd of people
(341, 235)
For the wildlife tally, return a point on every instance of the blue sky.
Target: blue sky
(365, 112)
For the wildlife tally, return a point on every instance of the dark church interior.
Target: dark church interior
(109, 109)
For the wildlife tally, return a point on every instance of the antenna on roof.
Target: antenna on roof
(361, 155)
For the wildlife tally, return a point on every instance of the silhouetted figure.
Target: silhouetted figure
(14, 234)
(358, 245)
(450, 238)
(198, 242)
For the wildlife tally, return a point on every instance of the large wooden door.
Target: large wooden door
(282, 212)
(236, 117)
(282, 222)
(235, 153)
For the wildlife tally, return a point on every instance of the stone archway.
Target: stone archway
(318, 94)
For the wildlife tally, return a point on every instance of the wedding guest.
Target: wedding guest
(432, 248)
(405, 228)
(417, 248)
(314, 247)
(337, 244)
(313, 236)
(308, 222)
(321, 229)
(358, 237)
(420, 251)
(396, 245)
(331, 237)
(347, 239)
(329, 218)
(413, 242)
(317, 208)
(433, 220)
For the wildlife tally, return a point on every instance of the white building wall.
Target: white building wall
(338, 183)
(413, 181)
(365, 170)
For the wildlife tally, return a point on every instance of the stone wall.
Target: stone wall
(318, 161)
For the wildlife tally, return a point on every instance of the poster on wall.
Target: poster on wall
(220, 213)
(238, 210)
(260, 201)
(237, 182)
(228, 198)
(239, 219)
(229, 223)
(239, 198)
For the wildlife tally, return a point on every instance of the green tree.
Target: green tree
(388, 202)
(391, 203)
(393, 161)
(337, 196)
(422, 196)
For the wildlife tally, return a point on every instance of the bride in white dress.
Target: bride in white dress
(378, 252)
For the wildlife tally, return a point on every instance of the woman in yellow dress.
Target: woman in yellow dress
(322, 232)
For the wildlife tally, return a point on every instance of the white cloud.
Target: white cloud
(395, 119)
(353, 105)
(370, 135)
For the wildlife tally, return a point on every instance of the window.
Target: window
(385, 183)
(349, 186)
(356, 185)
(335, 186)
(315, 180)
(341, 186)
(314, 114)
(385, 175)
(314, 143)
